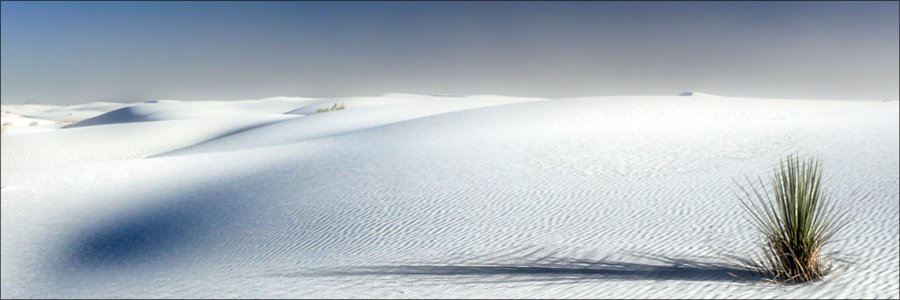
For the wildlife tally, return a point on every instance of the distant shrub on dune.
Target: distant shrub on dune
(796, 220)
(67, 121)
(334, 107)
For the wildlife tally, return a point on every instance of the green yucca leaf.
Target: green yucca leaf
(797, 219)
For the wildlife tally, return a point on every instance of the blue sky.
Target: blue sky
(73, 52)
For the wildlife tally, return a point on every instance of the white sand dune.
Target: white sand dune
(432, 196)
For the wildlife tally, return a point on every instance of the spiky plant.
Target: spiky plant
(797, 220)
(334, 107)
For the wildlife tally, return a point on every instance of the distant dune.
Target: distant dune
(411, 196)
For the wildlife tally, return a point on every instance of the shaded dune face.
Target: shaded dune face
(146, 235)
(121, 115)
(172, 226)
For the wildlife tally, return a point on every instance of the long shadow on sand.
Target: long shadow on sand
(660, 268)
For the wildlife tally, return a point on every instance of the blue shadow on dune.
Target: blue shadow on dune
(572, 270)
(152, 234)
(134, 239)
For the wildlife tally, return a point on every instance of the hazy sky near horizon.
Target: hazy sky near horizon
(74, 52)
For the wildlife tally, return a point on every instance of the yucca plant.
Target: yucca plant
(797, 220)
(334, 107)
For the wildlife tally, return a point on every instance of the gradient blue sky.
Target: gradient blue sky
(73, 52)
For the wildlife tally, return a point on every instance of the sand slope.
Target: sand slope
(433, 196)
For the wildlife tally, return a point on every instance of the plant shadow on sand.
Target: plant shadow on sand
(559, 269)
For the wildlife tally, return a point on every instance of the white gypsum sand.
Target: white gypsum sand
(430, 196)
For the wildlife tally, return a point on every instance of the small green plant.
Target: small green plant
(67, 121)
(797, 220)
(334, 107)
